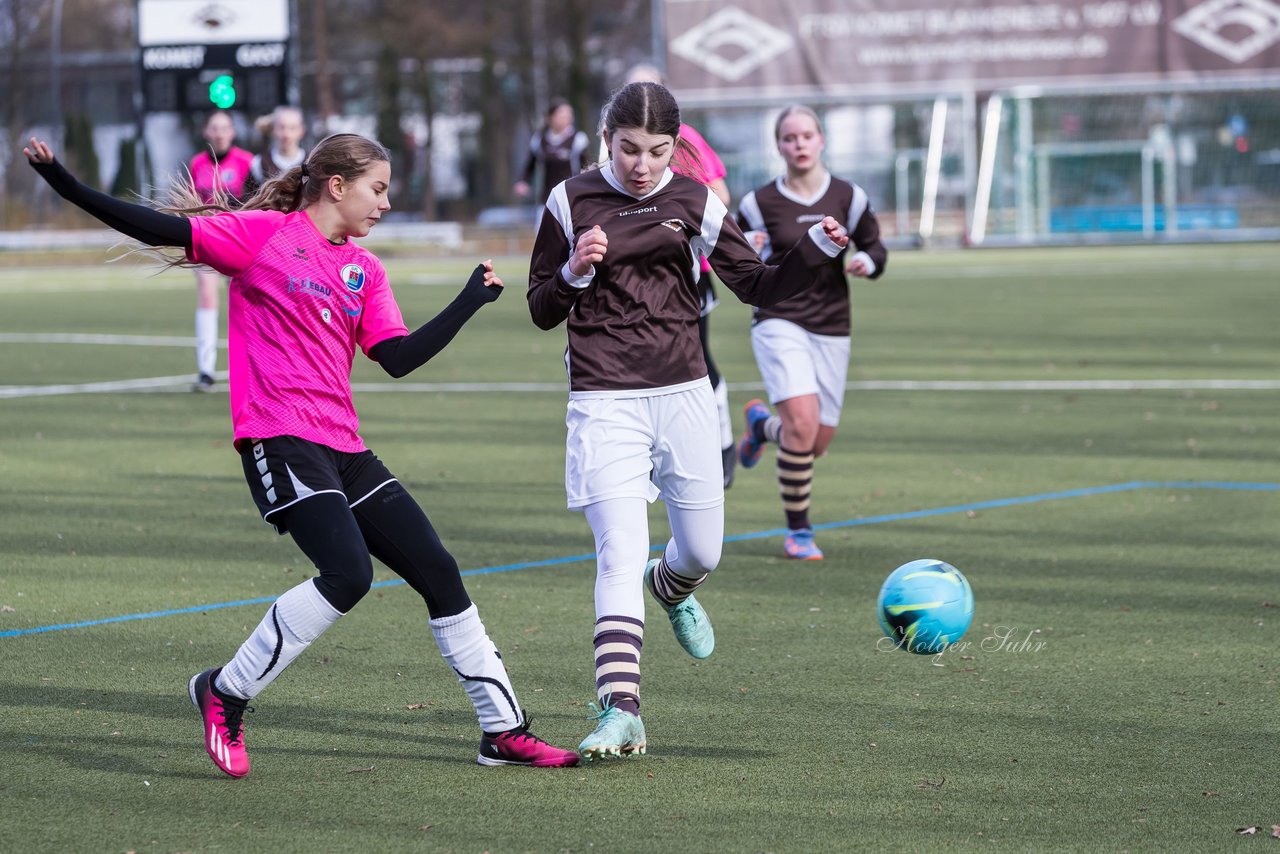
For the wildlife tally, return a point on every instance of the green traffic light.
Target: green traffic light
(222, 91)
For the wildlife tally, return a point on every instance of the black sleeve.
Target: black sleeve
(405, 353)
(137, 221)
(865, 237)
(531, 163)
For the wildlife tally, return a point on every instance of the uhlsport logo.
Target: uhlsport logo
(731, 44)
(1237, 30)
(353, 277)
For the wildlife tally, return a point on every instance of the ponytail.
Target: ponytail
(282, 193)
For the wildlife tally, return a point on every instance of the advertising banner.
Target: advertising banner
(763, 50)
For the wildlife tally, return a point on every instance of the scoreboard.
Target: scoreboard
(205, 54)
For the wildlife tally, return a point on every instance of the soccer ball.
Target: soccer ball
(925, 606)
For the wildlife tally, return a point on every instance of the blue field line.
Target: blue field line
(735, 538)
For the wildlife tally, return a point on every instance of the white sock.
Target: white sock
(206, 340)
(722, 407)
(466, 646)
(295, 620)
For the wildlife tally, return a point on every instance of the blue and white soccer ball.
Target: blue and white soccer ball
(925, 606)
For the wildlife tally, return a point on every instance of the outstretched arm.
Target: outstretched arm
(735, 261)
(137, 221)
(406, 353)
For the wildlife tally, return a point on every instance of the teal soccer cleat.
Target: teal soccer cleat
(688, 620)
(618, 733)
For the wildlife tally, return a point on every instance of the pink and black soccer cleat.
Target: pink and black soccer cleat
(520, 747)
(223, 724)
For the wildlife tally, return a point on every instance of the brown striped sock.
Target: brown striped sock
(618, 641)
(769, 430)
(670, 588)
(795, 480)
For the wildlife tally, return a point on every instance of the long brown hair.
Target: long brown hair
(348, 155)
(652, 108)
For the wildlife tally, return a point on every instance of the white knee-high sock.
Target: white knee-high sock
(726, 420)
(206, 340)
(465, 644)
(295, 620)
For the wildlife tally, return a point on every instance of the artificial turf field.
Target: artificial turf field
(1045, 420)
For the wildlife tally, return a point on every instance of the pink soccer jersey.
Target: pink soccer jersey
(227, 174)
(299, 306)
(709, 166)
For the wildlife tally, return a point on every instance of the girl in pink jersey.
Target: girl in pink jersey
(616, 261)
(303, 298)
(217, 173)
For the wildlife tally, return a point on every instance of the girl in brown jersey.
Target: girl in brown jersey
(285, 129)
(558, 146)
(802, 343)
(617, 257)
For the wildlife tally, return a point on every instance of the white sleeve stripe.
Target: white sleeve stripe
(749, 207)
(558, 207)
(712, 220)
(858, 206)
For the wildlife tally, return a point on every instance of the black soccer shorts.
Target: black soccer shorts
(283, 470)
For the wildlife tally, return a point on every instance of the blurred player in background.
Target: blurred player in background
(612, 261)
(218, 174)
(304, 296)
(802, 343)
(705, 167)
(559, 148)
(285, 130)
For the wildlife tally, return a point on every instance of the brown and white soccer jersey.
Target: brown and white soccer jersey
(633, 323)
(562, 156)
(783, 217)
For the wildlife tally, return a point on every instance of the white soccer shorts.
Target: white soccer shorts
(795, 362)
(666, 446)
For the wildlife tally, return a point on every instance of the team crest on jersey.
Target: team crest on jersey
(325, 315)
(353, 277)
(674, 225)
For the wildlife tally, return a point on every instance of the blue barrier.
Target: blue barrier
(1129, 218)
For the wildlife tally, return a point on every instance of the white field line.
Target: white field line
(886, 385)
(178, 383)
(150, 277)
(83, 338)
(1042, 268)
(183, 382)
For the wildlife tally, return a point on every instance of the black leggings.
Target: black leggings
(704, 334)
(388, 525)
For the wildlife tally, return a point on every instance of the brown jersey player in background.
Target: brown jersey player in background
(616, 258)
(560, 149)
(802, 343)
